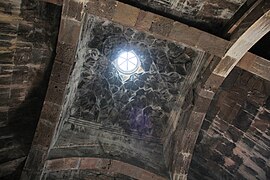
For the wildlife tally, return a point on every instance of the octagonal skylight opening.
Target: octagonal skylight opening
(127, 62)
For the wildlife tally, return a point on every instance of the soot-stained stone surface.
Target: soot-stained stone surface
(141, 103)
(206, 14)
(234, 141)
(26, 59)
(84, 174)
(114, 117)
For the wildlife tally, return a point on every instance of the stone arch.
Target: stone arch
(106, 166)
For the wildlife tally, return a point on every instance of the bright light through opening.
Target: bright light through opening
(127, 62)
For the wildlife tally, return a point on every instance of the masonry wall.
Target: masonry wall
(28, 32)
(234, 139)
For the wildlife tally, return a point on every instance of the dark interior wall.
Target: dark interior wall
(28, 37)
(234, 139)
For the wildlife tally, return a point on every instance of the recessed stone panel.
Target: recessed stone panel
(141, 103)
(133, 109)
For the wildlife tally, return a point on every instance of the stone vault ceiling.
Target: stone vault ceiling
(233, 141)
(155, 125)
(211, 15)
(117, 118)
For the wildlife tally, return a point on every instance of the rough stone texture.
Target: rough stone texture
(49, 118)
(161, 25)
(234, 141)
(28, 33)
(142, 99)
(126, 15)
(102, 8)
(84, 174)
(116, 118)
(106, 116)
(178, 151)
(157, 24)
(206, 14)
(107, 168)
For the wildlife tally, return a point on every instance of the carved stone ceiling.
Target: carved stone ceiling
(110, 117)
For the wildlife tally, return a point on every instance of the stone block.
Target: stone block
(65, 53)
(87, 163)
(204, 93)
(195, 122)
(69, 31)
(256, 65)
(226, 147)
(44, 133)
(177, 176)
(31, 32)
(144, 20)
(260, 124)
(30, 175)
(55, 93)
(60, 72)
(242, 121)
(5, 80)
(259, 161)
(36, 158)
(251, 108)
(6, 57)
(73, 9)
(187, 146)
(249, 142)
(185, 34)
(6, 69)
(161, 25)
(103, 164)
(263, 151)
(202, 104)
(225, 66)
(181, 163)
(23, 55)
(233, 133)
(264, 116)
(50, 112)
(102, 8)
(62, 164)
(212, 44)
(247, 61)
(151, 176)
(21, 74)
(124, 168)
(125, 14)
(213, 82)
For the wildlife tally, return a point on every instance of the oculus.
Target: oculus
(127, 63)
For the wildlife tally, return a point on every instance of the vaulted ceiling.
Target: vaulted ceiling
(199, 108)
(208, 15)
